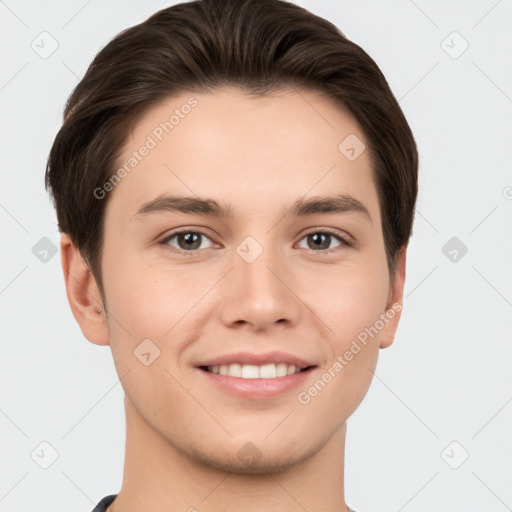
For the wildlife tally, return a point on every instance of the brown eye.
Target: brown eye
(321, 241)
(187, 241)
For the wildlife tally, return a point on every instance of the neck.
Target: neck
(160, 477)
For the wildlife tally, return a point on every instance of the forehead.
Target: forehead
(245, 150)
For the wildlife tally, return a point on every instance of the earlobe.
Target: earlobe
(394, 306)
(83, 294)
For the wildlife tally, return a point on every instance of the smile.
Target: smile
(250, 371)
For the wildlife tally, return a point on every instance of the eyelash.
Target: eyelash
(344, 242)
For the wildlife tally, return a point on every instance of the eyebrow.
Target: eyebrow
(340, 203)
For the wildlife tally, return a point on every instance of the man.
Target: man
(235, 185)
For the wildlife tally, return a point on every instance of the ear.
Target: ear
(394, 305)
(83, 294)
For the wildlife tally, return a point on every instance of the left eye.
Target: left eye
(322, 239)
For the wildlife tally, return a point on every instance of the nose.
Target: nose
(259, 295)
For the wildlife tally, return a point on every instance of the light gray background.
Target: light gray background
(446, 379)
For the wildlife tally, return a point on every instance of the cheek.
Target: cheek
(349, 305)
(348, 300)
(147, 298)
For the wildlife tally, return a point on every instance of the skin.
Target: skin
(183, 434)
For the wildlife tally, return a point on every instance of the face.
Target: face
(284, 271)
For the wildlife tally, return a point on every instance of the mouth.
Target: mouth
(255, 376)
(256, 383)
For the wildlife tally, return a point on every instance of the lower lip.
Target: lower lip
(257, 389)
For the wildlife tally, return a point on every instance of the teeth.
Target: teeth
(250, 371)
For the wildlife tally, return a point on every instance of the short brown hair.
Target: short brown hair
(257, 45)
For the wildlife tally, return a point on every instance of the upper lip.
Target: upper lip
(257, 359)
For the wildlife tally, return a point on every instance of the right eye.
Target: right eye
(188, 241)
